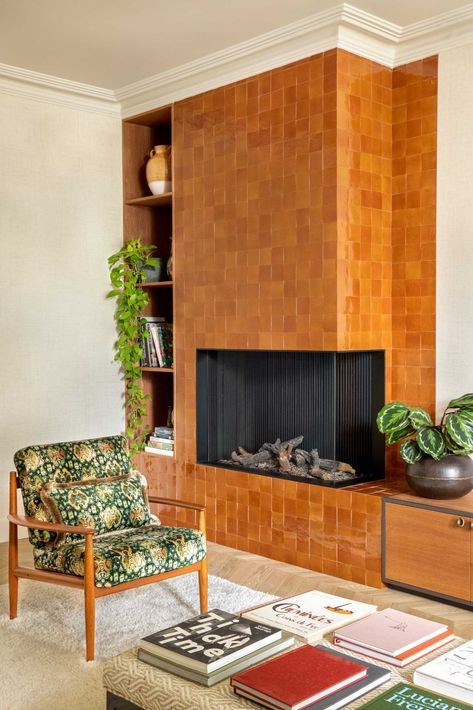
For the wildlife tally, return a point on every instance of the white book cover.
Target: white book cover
(451, 673)
(310, 615)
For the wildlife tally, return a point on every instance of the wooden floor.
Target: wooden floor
(281, 579)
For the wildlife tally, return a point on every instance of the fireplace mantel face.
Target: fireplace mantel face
(251, 397)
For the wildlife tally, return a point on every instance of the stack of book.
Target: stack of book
(310, 615)
(451, 673)
(408, 697)
(211, 647)
(156, 342)
(308, 677)
(161, 441)
(393, 637)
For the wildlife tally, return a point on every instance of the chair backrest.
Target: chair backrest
(63, 462)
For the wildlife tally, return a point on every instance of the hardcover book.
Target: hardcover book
(402, 659)
(310, 615)
(451, 673)
(375, 676)
(409, 697)
(391, 632)
(298, 678)
(210, 679)
(209, 641)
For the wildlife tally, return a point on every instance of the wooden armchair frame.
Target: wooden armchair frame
(87, 582)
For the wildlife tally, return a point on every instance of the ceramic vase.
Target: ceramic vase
(449, 477)
(158, 169)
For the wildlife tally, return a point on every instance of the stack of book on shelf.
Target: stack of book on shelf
(310, 615)
(211, 647)
(156, 342)
(450, 673)
(408, 697)
(393, 637)
(309, 677)
(161, 441)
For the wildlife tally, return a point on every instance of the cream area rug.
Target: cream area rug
(42, 651)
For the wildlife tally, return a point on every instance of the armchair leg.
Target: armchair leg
(12, 564)
(203, 586)
(89, 598)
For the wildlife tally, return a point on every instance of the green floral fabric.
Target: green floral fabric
(64, 462)
(108, 504)
(127, 555)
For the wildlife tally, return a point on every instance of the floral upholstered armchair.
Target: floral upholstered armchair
(88, 519)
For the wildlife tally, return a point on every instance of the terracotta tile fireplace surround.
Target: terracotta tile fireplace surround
(304, 208)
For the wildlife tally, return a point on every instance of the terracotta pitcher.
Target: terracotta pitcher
(158, 169)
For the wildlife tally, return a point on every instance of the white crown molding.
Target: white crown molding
(55, 90)
(344, 26)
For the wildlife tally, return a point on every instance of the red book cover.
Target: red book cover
(299, 678)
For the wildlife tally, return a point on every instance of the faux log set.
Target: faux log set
(287, 457)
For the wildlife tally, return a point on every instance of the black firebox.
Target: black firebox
(248, 397)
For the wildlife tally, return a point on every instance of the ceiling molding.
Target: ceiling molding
(344, 26)
(55, 90)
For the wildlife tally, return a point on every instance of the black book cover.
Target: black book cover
(210, 638)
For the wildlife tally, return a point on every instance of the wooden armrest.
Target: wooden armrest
(178, 503)
(26, 522)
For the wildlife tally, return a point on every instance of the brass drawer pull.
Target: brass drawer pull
(461, 522)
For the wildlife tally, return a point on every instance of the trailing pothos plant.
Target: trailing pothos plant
(126, 272)
(421, 437)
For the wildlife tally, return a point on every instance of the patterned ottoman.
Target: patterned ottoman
(134, 685)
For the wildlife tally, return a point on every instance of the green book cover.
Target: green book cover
(410, 697)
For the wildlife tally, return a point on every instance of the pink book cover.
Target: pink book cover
(390, 631)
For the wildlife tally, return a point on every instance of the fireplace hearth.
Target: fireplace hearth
(292, 414)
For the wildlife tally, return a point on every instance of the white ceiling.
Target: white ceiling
(112, 43)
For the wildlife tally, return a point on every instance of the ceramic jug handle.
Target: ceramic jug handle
(152, 153)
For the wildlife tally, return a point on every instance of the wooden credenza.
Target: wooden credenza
(427, 547)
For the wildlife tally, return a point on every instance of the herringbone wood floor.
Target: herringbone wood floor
(281, 579)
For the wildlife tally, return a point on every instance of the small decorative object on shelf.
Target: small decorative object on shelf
(169, 265)
(153, 273)
(158, 170)
(170, 420)
(437, 458)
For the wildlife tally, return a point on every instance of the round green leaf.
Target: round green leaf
(453, 448)
(460, 429)
(410, 452)
(465, 401)
(431, 441)
(393, 437)
(419, 418)
(393, 416)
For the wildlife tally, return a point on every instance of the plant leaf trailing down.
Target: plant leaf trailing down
(454, 434)
(126, 271)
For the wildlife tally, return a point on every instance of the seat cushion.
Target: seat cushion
(63, 462)
(127, 555)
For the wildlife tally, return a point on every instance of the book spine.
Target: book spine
(152, 351)
(156, 344)
(144, 351)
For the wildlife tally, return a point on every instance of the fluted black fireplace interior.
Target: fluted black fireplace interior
(246, 398)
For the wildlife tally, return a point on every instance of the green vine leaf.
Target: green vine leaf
(126, 268)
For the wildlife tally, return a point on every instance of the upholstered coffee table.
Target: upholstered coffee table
(134, 685)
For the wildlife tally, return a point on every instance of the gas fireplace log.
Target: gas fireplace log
(292, 442)
(284, 456)
(331, 466)
(251, 459)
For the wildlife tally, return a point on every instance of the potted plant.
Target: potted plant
(437, 458)
(126, 274)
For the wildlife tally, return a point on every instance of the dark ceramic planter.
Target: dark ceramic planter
(450, 477)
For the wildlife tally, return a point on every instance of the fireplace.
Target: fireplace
(246, 398)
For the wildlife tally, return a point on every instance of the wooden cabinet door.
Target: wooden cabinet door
(428, 550)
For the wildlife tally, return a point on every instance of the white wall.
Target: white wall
(60, 218)
(455, 226)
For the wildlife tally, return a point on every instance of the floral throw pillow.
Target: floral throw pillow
(105, 504)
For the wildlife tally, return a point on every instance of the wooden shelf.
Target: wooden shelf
(164, 200)
(157, 369)
(155, 284)
(163, 456)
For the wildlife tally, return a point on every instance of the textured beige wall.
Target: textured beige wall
(60, 217)
(455, 226)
